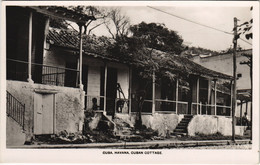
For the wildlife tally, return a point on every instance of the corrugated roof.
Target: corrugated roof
(98, 46)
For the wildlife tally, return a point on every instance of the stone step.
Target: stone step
(181, 127)
(180, 130)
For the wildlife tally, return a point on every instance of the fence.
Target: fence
(42, 74)
(207, 109)
(15, 109)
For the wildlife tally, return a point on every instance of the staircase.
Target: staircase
(15, 109)
(181, 128)
(15, 132)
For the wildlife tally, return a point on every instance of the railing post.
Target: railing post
(200, 108)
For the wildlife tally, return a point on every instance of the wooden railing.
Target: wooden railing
(15, 109)
(42, 74)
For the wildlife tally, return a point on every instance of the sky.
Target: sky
(192, 34)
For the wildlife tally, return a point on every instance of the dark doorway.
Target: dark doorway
(70, 75)
(111, 90)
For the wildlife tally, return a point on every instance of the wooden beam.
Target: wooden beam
(241, 106)
(30, 50)
(177, 95)
(80, 57)
(197, 93)
(215, 97)
(153, 104)
(105, 88)
(130, 91)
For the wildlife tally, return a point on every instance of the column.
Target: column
(130, 91)
(197, 95)
(105, 88)
(215, 96)
(177, 95)
(153, 104)
(241, 112)
(80, 57)
(30, 50)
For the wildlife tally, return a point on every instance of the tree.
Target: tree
(157, 36)
(117, 23)
(246, 28)
(139, 49)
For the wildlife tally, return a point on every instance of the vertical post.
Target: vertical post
(241, 102)
(235, 79)
(197, 94)
(130, 91)
(30, 50)
(177, 94)
(246, 106)
(105, 88)
(231, 96)
(153, 104)
(80, 57)
(215, 97)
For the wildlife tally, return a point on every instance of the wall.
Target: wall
(224, 64)
(206, 124)
(162, 123)
(69, 105)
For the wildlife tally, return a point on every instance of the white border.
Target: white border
(169, 155)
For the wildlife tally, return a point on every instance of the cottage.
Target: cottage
(54, 76)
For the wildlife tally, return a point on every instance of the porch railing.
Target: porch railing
(208, 109)
(15, 109)
(94, 102)
(42, 74)
(169, 106)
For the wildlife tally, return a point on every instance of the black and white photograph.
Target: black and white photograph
(128, 80)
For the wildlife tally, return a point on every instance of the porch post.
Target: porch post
(105, 88)
(177, 94)
(130, 90)
(80, 57)
(215, 96)
(30, 50)
(153, 103)
(231, 97)
(246, 106)
(241, 106)
(197, 94)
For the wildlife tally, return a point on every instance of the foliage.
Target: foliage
(159, 37)
(246, 28)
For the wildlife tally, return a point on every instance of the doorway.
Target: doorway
(111, 90)
(44, 113)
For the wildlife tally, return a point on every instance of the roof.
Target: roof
(98, 47)
(186, 66)
(63, 13)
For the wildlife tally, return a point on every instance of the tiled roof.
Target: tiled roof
(98, 46)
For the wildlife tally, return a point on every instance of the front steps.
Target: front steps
(15, 135)
(181, 128)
